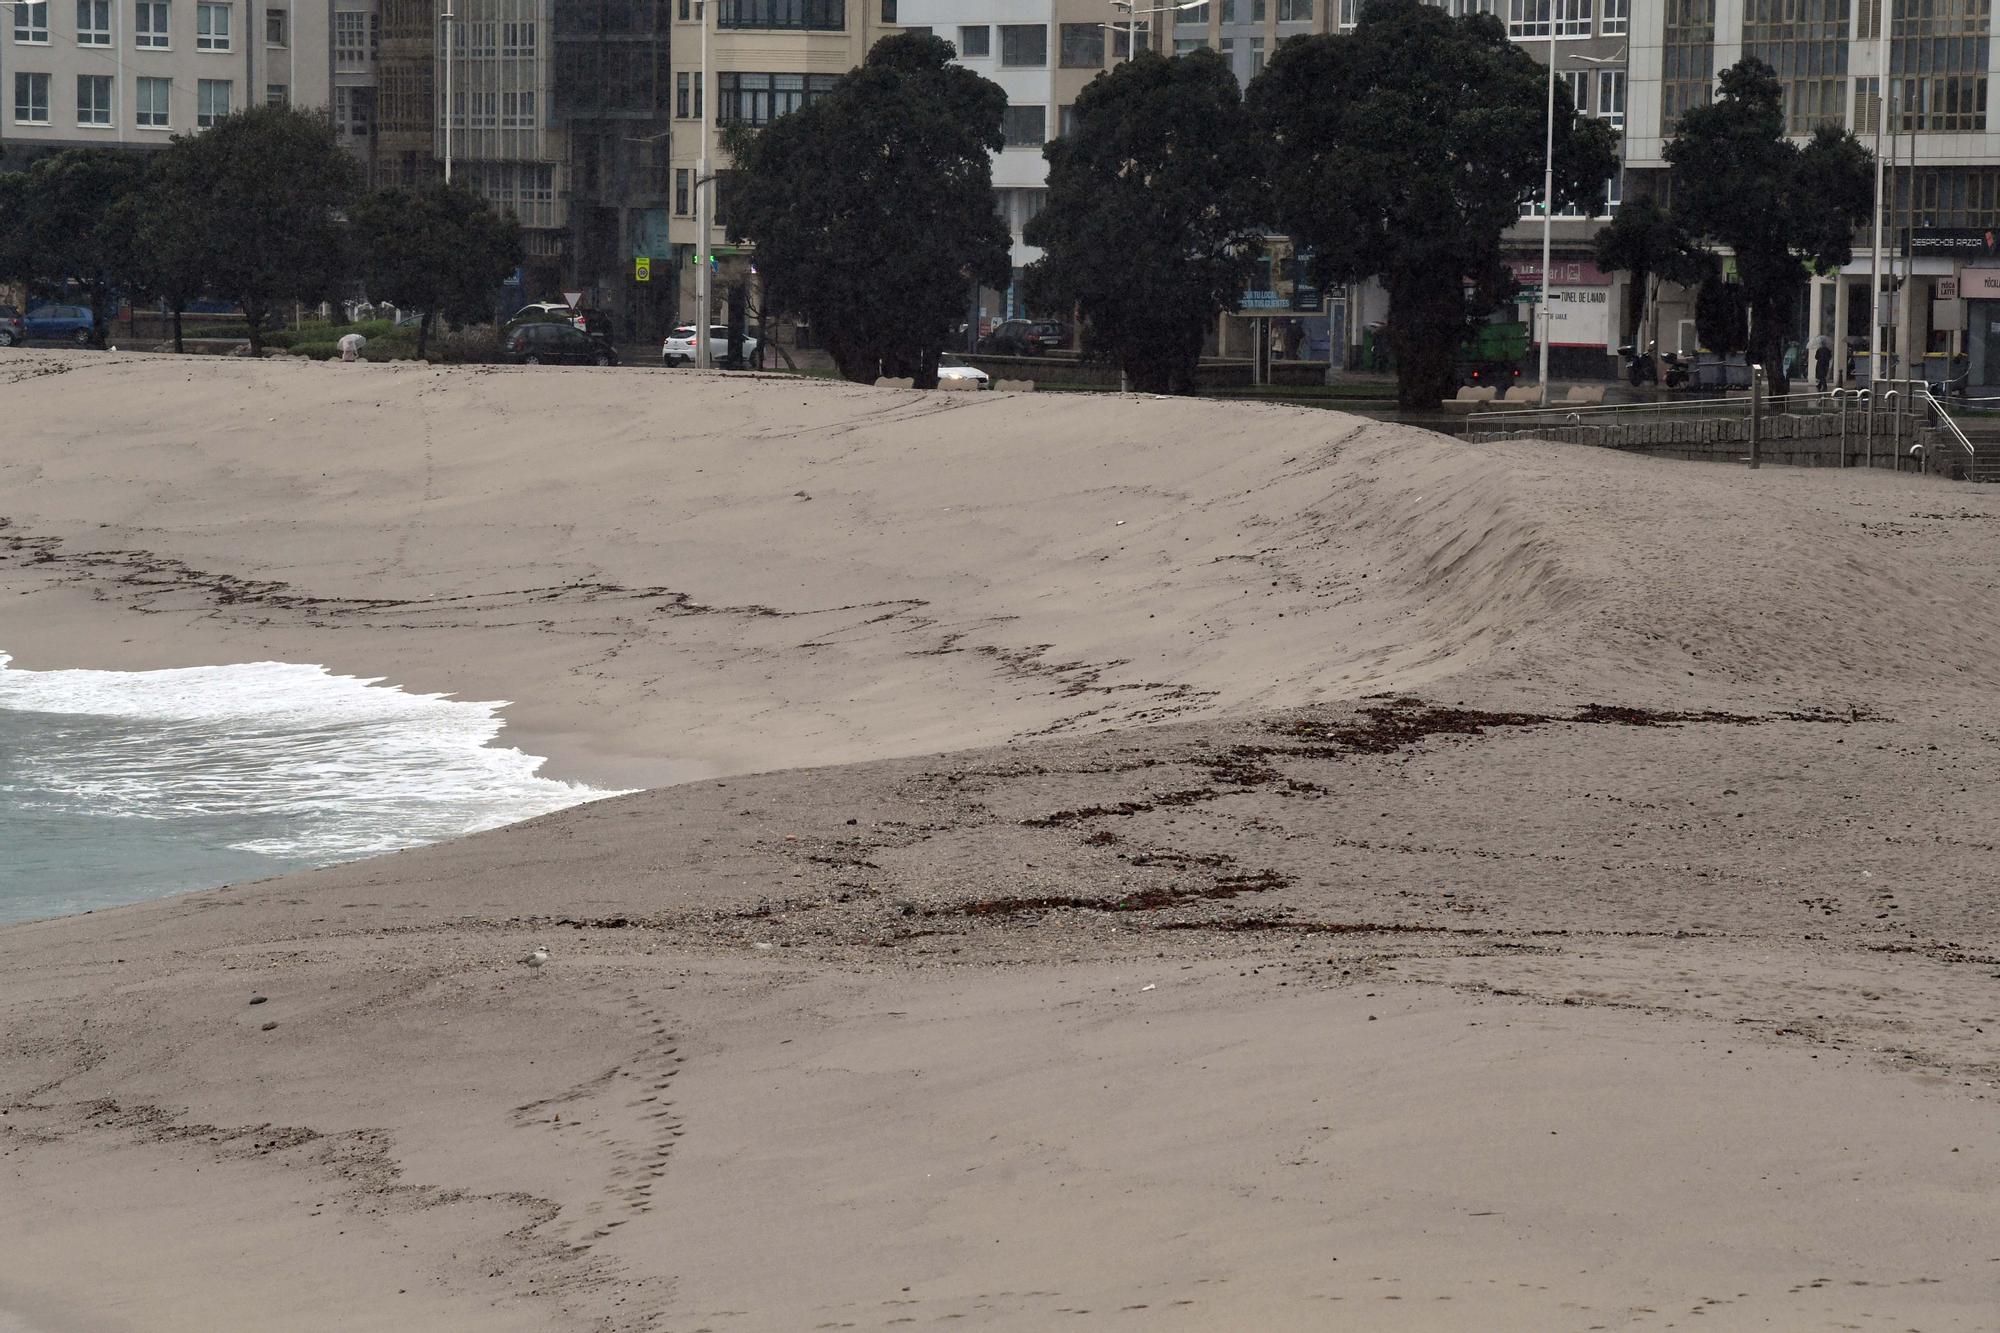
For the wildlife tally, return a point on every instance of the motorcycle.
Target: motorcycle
(1639, 367)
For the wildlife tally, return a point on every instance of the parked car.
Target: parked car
(60, 321)
(534, 344)
(951, 368)
(543, 310)
(596, 323)
(678, 349)
(13, 329)
(1025, 337)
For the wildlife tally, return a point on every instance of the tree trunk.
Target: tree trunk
(424, 334)
(98, 291)
(253, 318)
(1653, 331)
(179, 306)
(1426, 325)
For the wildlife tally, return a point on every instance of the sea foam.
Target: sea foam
(295, 762)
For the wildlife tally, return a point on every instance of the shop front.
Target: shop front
(1582, 324)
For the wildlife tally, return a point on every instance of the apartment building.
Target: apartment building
(356, 43)
(612, 88)
(1940, 155)
(765, 58)
(133, 73)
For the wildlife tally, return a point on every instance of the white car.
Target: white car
(678, 349)
(951, 368)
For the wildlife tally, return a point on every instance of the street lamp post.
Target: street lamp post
(448, 16)
(704, 356)
(1132, 13)
(1546, 317)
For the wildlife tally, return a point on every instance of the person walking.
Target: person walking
(1822, 351)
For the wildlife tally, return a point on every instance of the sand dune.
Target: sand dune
(1106, 957)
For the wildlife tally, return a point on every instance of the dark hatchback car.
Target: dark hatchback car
(556, 344)
(13, 330)
(1025, 337)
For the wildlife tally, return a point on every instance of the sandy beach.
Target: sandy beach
(1105, 861)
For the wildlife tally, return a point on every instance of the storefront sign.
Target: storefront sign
(1979, 284)
(1578, 316)
(1945, 289)
(1568, 272)
(1960, 242)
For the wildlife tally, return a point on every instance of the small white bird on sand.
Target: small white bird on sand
(538, 957)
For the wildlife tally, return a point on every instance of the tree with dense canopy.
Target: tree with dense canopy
(271, 183)
(164, 219)
(1154, 214)
(439, 248)
(1403, 150)
(871, 207)
(1781, 208)
(60, 222)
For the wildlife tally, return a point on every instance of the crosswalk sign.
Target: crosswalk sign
(642, 268)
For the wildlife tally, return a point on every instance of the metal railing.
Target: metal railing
(1872, 422)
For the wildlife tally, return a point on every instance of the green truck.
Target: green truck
(1492, 353)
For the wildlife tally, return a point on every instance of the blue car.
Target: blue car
(70, 322)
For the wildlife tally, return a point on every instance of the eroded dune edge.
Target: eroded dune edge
(1174, 864)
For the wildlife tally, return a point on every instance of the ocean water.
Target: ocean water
(117, 786)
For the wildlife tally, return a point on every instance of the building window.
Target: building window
(975, 42)
(277, 94)
(1065, 121)
(682, 179)
(1687, 59)
(1256, 11)
(93, 99)
(1611, 97)
(1024, 45)
(1025, 126)
(211, 101)
(687, 96)
(151, 107)
(888, 11)
(1937, 68)
(811, 15)
(1127, 35)
(149, 23)
(1805, 42)
(1188, 45)
(1577, 83)
(31, 99)
(1573, 18)
(211, 27)
(1527, 18)
(759, 99)
(1229, 11)
(31, 25)
(1615, 17)
(350, 111)
(1256, 56)
(1295, 11)
(93, 22)
(1193, 14)
(687, 11)
(277, 28)
(1082, 45)
(350, 40)
(517, 110)
(1614, 192)
(517, 41)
